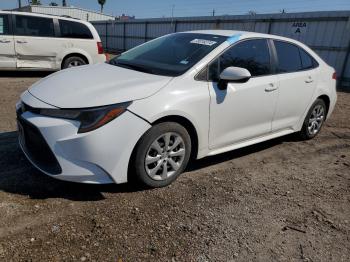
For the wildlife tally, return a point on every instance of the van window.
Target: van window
(252, 55)
(34, 26)
(70, 29)
(4, 25)
(288, 57)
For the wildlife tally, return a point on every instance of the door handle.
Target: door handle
(309, 80)
(5, 41)
(271, 87)
(21, 42)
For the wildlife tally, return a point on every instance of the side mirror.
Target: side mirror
(233, 74)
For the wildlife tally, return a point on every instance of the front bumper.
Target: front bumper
(98, 157)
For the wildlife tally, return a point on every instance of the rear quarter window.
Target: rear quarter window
(4, 25)
(70, 29)
(307, 61)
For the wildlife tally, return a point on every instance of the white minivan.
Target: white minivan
(42, 42)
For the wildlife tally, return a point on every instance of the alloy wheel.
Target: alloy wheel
(165, 156)
(316, 119)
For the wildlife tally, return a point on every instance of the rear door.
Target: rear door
(7, 47)
(297, 82)
(35, 42)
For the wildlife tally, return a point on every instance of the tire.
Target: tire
(73, 61)
(318, 110)
(163, 167)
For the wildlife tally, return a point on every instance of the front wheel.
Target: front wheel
(162, 154)
(314, 120)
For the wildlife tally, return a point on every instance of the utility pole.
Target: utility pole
(172, 15)
(213, 12)
(172, 11)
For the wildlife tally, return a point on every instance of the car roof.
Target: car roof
(242, 34)
(44, 15)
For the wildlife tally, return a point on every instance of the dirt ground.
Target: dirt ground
(283, 200)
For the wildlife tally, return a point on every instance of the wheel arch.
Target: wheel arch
(326, 100)
(82, 56)
(188, 125)
(185, 122)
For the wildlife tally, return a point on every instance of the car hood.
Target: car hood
(96, 85)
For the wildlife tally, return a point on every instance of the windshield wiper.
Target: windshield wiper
(134, 67)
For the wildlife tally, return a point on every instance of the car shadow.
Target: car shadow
(25, 74)
(18, 176)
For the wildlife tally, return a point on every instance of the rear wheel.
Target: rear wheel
(162, 154)
(73, 61)
(314, 120)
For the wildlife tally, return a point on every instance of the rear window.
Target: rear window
(288, 57)
(4, 25)
(34, 26)
(70, 29)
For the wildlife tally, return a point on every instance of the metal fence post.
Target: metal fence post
(175, 26)
(106, 36)
(146, 31)
(217, 23)
(270, 25)
(124, 36)
(346, 59)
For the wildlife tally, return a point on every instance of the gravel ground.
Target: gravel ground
(283, 200)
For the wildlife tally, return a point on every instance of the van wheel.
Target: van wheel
(73, 61)
(314, 120)
(161, 155)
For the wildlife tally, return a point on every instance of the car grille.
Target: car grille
(35, 146)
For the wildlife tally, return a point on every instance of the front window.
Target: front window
(252, 55)
(170, 55)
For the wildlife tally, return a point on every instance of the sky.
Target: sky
(165, 8)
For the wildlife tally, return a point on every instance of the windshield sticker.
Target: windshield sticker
(234, 38)
(184, 62)
(203, 42)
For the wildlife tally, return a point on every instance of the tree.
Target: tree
(35, 2)
(53, 4)
(102, 3)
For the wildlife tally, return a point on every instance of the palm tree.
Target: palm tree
(102, 3)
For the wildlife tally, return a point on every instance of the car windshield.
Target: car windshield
(171, 55)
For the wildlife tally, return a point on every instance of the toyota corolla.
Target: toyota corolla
(144, 115)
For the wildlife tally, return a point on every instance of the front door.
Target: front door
(244, 110)
(7, 47)
(35, 42)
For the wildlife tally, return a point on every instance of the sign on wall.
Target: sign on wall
(299, 28)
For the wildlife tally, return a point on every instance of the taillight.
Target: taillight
(99, 48)
(334, 76)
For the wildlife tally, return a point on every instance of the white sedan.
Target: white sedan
(183, 96)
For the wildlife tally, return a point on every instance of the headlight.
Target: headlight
(90, 118)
